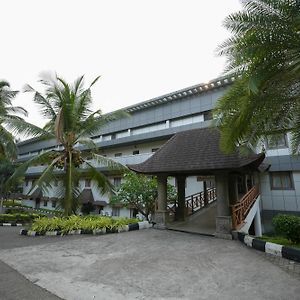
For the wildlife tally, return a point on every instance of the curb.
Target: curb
(125, 228)
(270, 248)
(11, 224)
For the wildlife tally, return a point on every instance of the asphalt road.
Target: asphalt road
(13, 285)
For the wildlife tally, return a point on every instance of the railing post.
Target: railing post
(192, 200)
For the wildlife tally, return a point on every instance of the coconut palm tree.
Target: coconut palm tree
(264, 55)
(11, 121)
(72, 123)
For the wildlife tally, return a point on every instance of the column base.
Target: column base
(161, 219)
(223, 227)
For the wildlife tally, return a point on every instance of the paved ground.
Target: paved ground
(13, 285)
(151, 264)
(203, 221)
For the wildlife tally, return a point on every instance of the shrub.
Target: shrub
(288, 226)
(88, 223)
(19, 218)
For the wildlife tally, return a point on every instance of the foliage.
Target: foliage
(10, 203)
(71, 123)
(264, 55)
(18, 217)
(288, 226)
(279, 240)
(11, 122)
(140, 192)
(88, 223)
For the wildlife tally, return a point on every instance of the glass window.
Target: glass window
(135, 152)
(45, 202)
(87, 183)
(53, 204)
(115, 212)
(280, 141)
(281, 181)
(208, 115)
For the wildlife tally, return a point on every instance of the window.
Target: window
(280, 141)
(281, 181)
(118, 154)
(154, 149)
(135, 152)
(45, 202)
(53, 203)
(208, 115)
(87, 183)
(115, 212)
(117, 182)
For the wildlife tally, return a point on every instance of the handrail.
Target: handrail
(197, 201)
(242, 207)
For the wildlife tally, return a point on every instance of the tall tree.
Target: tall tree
(264, 56)
(72, 123)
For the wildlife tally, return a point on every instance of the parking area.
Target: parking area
(149, 264)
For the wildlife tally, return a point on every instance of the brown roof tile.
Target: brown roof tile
(193, 152)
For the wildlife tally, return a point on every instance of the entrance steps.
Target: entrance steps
(201, 222)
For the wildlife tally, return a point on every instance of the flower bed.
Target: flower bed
(73, 224)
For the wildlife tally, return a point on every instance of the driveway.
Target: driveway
(151, 264)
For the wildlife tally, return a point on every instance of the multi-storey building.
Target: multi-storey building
(151, 123)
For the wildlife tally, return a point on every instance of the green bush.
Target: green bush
(18, 217)
(11, 203)
(288, 226)
(88, 223)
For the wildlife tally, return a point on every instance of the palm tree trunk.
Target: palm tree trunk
(68, 194)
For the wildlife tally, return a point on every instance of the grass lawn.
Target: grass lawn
(279, 240)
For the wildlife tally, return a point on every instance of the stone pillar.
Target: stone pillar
(161, 214)
(223, 219)
(233, 189)
(180, 212)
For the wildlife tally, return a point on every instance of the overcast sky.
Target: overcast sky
(141, 48)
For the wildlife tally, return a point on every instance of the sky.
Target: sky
(141, 48)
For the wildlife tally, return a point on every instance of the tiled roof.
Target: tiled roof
(194, 152)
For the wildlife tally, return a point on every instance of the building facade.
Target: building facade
(151, 123)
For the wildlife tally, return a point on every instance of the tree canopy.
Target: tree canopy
(140, 192)
(263, 54)
(71, 121)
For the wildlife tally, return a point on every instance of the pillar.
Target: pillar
(161, 214)
(233, 189)
(180, 211)
(205, 193)
(223, 219)
(257, 223)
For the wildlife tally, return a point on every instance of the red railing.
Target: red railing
(197, 201)
(242, 207)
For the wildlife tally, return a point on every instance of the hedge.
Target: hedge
(288, 226)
